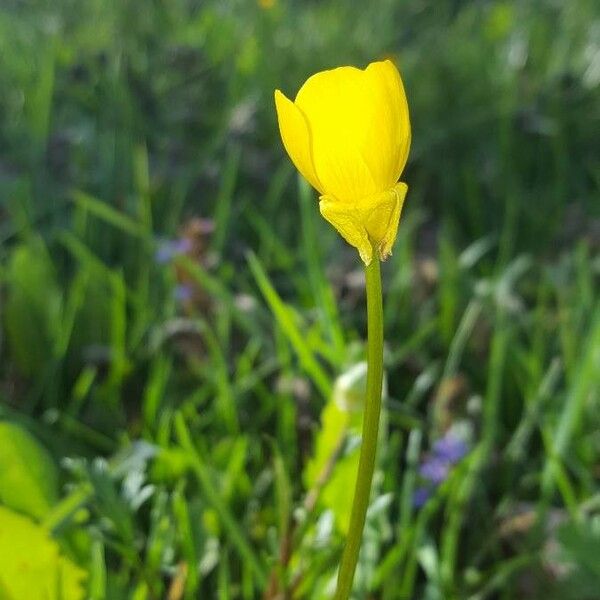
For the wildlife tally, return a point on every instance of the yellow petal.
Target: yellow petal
(399, 133)
(359, 125)
(337, 106)
(296, 138)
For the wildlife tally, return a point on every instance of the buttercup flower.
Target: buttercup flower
(348, 133)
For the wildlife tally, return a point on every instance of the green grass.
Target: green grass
(205, 447)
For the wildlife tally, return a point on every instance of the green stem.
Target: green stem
(366, 463)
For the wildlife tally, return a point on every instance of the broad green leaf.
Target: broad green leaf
(28, 477)
(32, 565)
(341, 417)
(333, 467)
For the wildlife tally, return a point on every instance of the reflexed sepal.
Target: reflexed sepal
(370, 222)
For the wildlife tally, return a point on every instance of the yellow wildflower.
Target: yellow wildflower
(348, 133)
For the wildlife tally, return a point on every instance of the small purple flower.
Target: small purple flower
(450, 448)
(183, 292)
(420, 496)
(169, 249)
(434, 470)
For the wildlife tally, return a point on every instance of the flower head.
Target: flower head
(348, 133)
(434, 470)
(420, 496)
(184, 292)
(169, 249)
(446, 452)
(450, 448)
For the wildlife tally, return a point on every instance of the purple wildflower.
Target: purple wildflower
(450, 448)
(434, 470)
(436, 466)
(420, 496)
(169, 249)
(183, 292)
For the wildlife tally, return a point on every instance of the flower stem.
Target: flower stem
(366, 463)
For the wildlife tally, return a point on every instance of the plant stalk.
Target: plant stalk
(366, 463)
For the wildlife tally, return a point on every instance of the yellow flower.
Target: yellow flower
(348, 133)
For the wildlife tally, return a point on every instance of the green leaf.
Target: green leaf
(32, 309)
(285, 319)
(28, 476)
(328, 470)
(333, 468)
(32, 565)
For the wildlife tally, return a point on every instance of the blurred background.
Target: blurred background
(182, 334)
